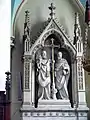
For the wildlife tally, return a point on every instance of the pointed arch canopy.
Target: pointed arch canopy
(65, 43)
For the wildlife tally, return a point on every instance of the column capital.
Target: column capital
(27, 58)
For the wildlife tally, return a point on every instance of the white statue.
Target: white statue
(44, 80)
(62, 74)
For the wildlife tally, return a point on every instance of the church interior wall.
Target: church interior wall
(39, 13)
(17, 65)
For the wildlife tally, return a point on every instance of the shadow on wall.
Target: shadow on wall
(89, 115)
(16, 68)
(36, 31)
(63, 22)
(38, 27)
(19, 44)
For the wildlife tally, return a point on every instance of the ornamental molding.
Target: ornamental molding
(27, 58)
(79, 59)
(53, 114)
(48, 114)
(55, 24)
(37, 47)
(64, 43)
(56, 33)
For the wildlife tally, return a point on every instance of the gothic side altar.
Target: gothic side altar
(53, 89)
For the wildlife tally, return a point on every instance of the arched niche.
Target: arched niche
(62, 39)
(61, 46)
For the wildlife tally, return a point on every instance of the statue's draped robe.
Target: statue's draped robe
(44, 79)
(61, 78)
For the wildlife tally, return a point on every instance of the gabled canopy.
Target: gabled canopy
(53, 28)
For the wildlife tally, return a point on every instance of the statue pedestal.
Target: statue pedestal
(53, 111)
(54, 104)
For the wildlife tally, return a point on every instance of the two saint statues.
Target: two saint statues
(61, 73)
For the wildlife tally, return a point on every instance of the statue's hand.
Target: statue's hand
(64, 72)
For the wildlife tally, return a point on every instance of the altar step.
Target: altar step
(52, 113)
(71, 114)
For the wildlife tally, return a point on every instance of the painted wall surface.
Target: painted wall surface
(15, 4)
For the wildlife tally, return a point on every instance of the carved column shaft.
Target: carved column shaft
(33, 83)
(85, 43)
(74, 84)
(81, 83)
(26, 72)
(27, 80)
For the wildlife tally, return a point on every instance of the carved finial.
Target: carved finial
(76, 18)
(27, 24)
(26, 16)
(52, 8)
(77, 29)
(26, 36)
(85, 42)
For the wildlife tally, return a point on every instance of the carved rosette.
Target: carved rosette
(27, 61)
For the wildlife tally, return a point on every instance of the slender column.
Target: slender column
(80, 72)
(81, 83)
(27, 81)
(80, 75)
(52, 46)
(33, 83)
(53, 86)
(74, 84)
(30, 80)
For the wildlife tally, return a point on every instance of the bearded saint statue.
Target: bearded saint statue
(62, 74)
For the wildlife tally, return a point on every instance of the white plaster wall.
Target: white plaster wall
(16, 67)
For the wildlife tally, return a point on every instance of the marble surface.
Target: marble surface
(54, 115)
